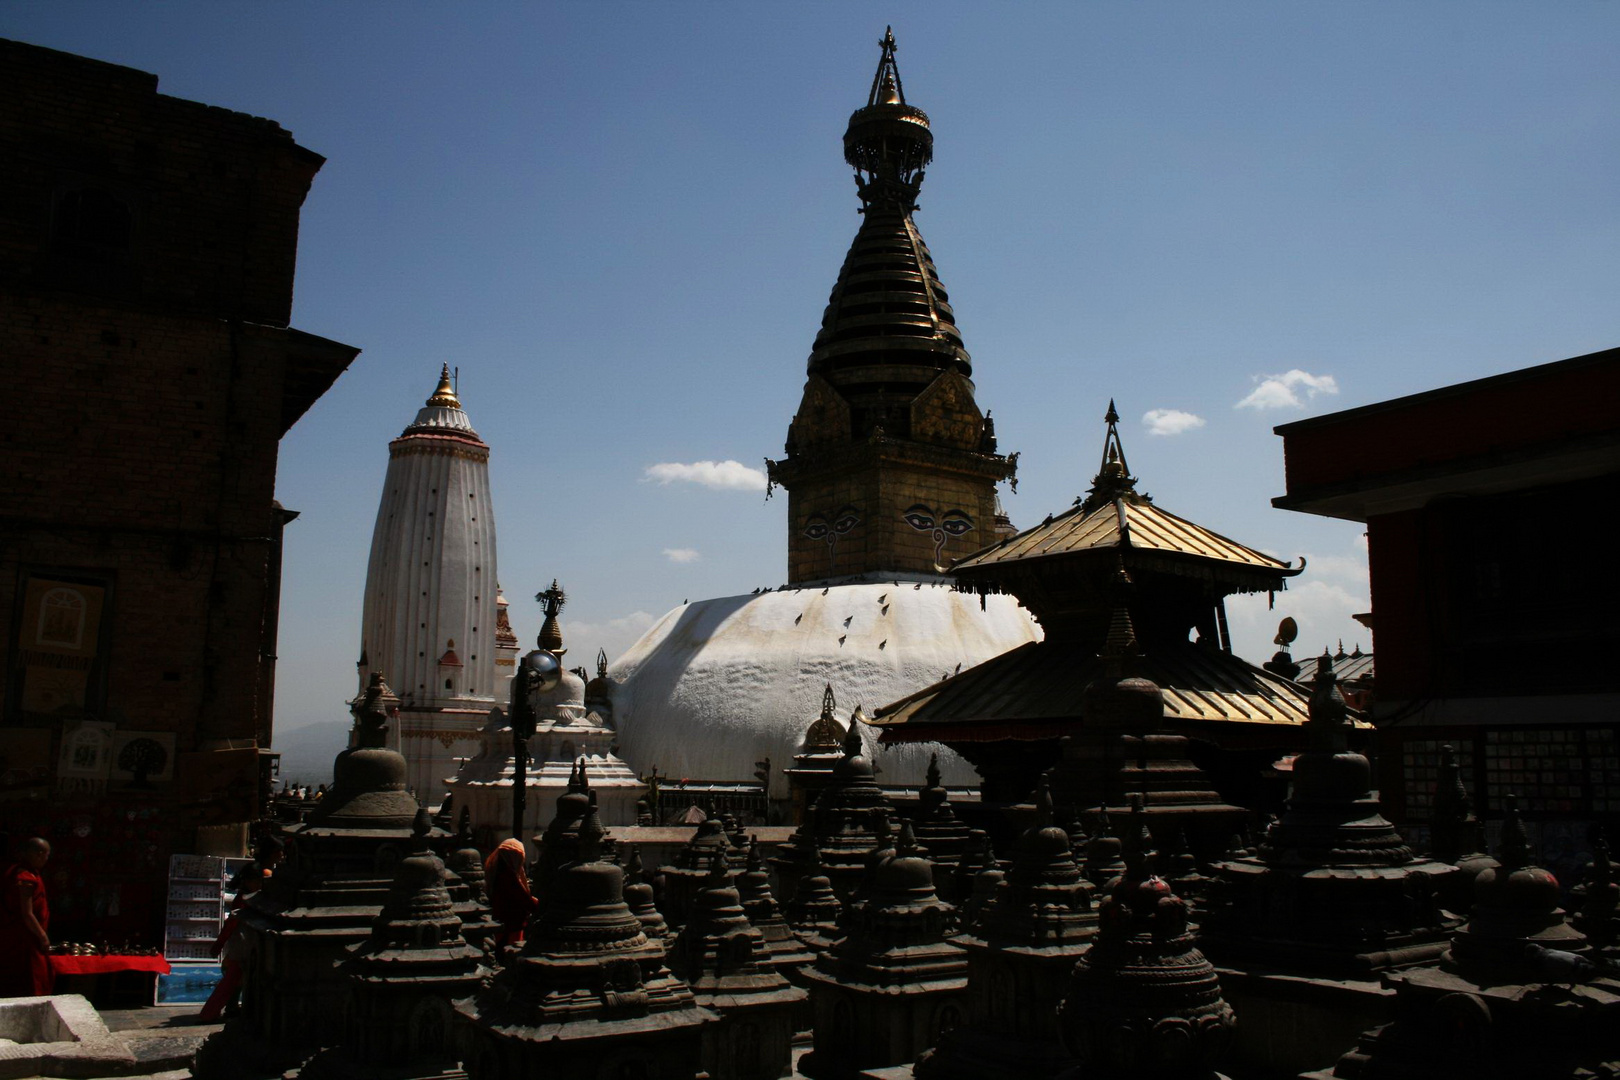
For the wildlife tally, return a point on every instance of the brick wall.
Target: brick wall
(146, 266)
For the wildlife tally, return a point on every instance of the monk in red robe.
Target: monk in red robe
(510, 899)
(25, 948)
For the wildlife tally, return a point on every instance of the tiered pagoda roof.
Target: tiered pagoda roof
(1062, 570)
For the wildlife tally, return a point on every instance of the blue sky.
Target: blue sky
(621, 221)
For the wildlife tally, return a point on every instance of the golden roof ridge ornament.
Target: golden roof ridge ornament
(1113, 479)
(445, 396)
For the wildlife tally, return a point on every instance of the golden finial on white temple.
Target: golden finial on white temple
(445, 395)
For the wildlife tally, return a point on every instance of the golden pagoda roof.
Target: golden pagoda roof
(1114, 517)
(1125, 521)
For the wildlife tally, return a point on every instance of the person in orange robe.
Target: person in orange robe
(25, 947)
(510, 899)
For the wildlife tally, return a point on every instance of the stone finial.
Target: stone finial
(1104, 851)
(1513, 849)
(591, 835)
(371, 713)
(1044, 817)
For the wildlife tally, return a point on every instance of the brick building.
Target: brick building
(147, 247)
(1493, 585)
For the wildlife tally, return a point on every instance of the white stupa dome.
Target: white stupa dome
(716, 685)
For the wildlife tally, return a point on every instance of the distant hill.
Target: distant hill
(307, 751)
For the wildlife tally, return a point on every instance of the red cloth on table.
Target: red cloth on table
(25, 970)
(102, 965)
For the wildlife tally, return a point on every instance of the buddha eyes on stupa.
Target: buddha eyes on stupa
(919, 517)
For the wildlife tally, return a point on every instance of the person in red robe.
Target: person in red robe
(510, 899)
(231, 947)
(25, 947)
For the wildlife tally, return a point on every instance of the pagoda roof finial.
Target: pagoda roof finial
(1114, 477)
(445, 396)
(886, 88)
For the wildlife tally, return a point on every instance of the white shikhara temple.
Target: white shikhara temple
(432, 625)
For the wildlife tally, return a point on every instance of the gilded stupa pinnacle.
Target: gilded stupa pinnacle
(445, 396)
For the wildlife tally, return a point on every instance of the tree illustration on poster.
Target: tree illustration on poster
(141, 758)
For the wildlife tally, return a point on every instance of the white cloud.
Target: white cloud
(614, 635)
(1323, 611)
(1170, 421)
(1282, 391)
(722, 475)
(1348, 568)
(682, 555)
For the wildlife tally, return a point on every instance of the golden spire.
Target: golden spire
(445, 395)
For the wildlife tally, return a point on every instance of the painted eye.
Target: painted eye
(816, 528)
(919, 517)
(846, 521)
(957, 523)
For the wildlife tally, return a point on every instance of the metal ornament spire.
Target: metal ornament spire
(1114, 475)
(888, 143)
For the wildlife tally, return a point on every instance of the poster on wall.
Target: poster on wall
(141, 759)
(86, 756)
(57, 646)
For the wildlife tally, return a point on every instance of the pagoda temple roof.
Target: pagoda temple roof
(1128, 520)
(1035, 691)
(1115, 517)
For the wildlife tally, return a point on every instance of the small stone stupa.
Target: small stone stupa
(787, 955)
(1519, 996)
(1456, 835)
(941, 833)
(1333, 888)
(403, 979)
(1022, 950)
(590, 994)
(842, 830)
(1144, 1003)
(686, 877)
(814, 909)
(724, 960)
(813, 765)
(464, 880)
(889, 988)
